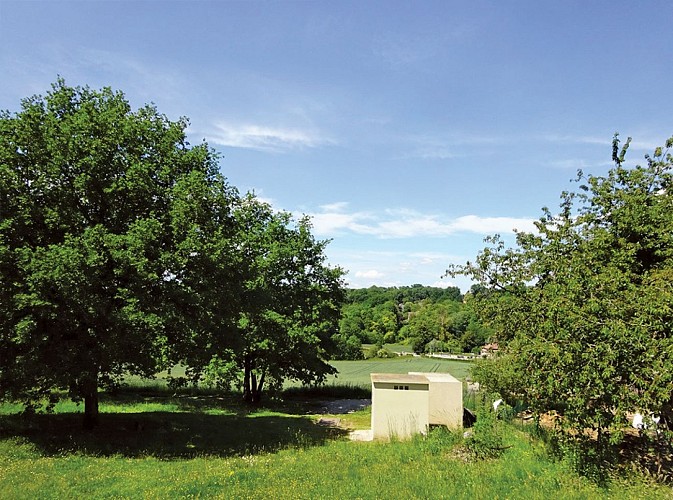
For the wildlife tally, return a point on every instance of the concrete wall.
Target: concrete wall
(406, 404)
(399, 405)
(445, 399)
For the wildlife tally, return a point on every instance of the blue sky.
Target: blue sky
(407, 130)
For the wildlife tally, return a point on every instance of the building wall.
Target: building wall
(399, 413)
(446, 401)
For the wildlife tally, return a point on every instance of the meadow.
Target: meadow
(357, 372)
(351, 373)
(163, 447)
(153, 444)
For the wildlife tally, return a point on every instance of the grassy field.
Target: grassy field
(209, 447)
(353, 373)
(357, 372)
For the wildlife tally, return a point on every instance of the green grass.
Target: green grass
(352, 382)
(205, 447)
(357, 372)
(334, 390)
(167, 428)
(353, 376)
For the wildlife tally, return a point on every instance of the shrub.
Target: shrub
(487, 438)
(385, 353)
(378, 351)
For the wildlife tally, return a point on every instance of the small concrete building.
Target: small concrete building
(407, 404)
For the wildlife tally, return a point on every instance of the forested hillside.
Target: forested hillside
(425, 318)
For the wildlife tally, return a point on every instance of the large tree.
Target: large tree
(583, 308)
(92, 251)
(288, 307)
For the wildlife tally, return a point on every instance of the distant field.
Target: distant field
(354, 373)
(357, 372)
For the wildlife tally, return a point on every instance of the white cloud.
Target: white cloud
(265, 138)
(648, 145)
(370, 274)
(490, 225)
(339, 206)
(333, 219)
(443, 283)
(396, 267)
(436, 153)
(329, 223)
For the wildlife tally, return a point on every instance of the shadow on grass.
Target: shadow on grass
(187, 401)
(166, 435)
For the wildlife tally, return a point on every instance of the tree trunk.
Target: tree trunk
(257, 391)
(90, 393)
(252, 388)
(91, 410)
(247, 369)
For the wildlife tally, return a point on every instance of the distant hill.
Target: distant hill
(425, 318)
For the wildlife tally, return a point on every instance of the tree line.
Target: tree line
(427, 319)
(123, 250)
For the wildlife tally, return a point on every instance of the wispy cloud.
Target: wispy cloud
(264, 137)
(648, 144)
(577, 164)
(370, 274)
(397, 268)
(490, 225)
(334, 219)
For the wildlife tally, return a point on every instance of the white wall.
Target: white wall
(399, 413)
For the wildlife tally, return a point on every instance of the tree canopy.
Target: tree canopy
(123, 250)
(288, 305)
(583, 308)
(427, 318)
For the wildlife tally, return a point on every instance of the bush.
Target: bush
(487, 438)
(385, 353)
(378, 351)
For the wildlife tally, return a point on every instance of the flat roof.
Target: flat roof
(437, 377)
(399, 377)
